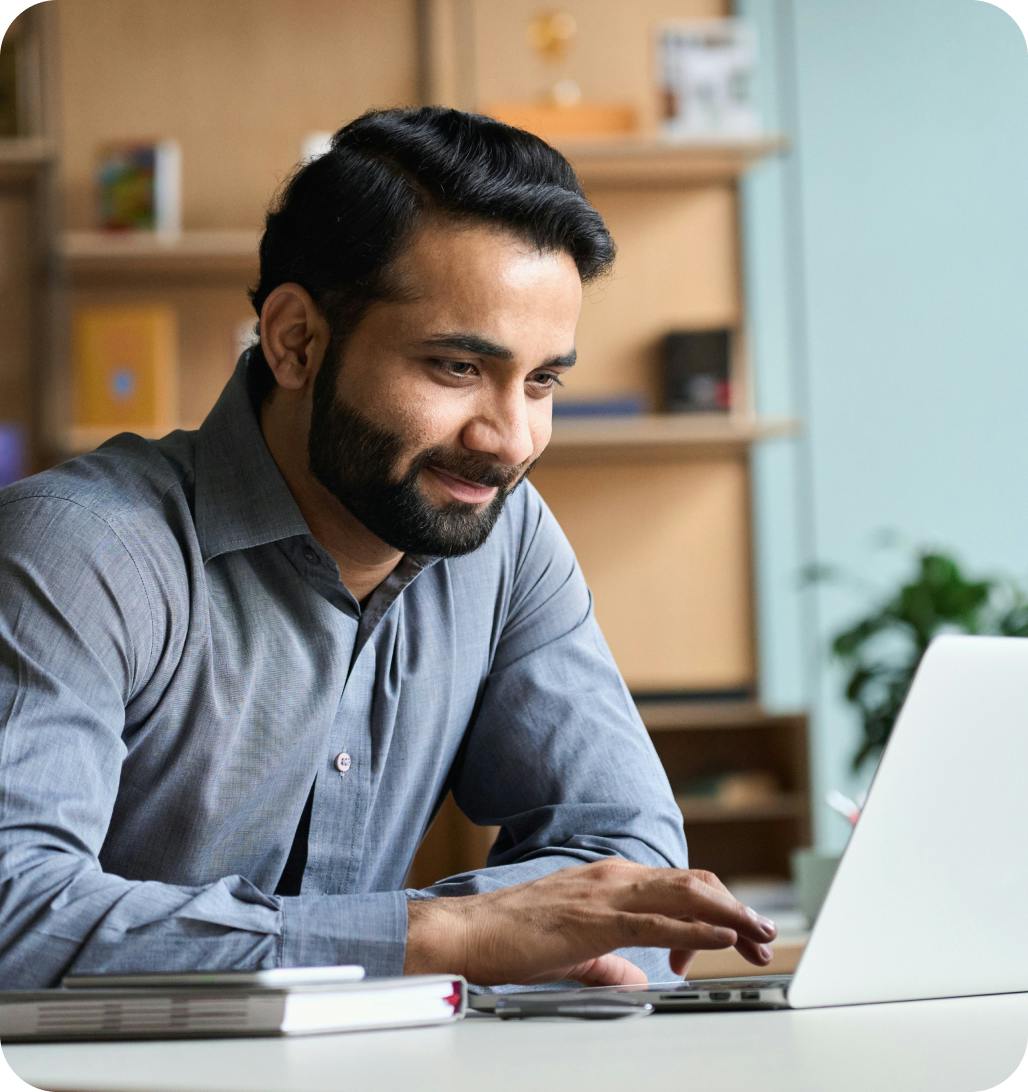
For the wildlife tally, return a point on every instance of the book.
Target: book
(13, 452)
(697, 371)
(271, 977)
(140, 186)
(177, 1012)
(124, 367)
(628, 405)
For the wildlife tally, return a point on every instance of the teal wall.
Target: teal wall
(887, 280)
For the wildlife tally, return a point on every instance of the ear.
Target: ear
(294, 336)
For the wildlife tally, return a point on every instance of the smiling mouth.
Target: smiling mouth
(462, 489)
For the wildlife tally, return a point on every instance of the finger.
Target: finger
(658, 931)
(680, 960)
(608, 970)
(706, 898)
(758, 953)
(687, 893)
(752, 951)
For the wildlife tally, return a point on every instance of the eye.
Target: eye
(546, 380)
(454, 369)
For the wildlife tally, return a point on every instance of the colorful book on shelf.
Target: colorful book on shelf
(124, 367)
(13, 452)
(140, 186)
(615, 406)
(209, 1011)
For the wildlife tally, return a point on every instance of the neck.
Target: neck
(363, 559)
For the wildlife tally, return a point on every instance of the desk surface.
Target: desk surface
(945, 1046)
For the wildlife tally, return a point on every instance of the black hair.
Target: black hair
(343, 217)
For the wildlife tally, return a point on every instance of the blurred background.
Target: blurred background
(811, 353)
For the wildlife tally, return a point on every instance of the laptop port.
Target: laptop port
(720, 995)
(750, 995)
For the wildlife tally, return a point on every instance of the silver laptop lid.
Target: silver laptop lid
(931, 896)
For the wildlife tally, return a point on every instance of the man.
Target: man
(241, 667)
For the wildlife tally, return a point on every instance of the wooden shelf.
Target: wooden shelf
(701, 810)
(651, 161)
(79, 440)
(191, 253)
(659, 435)
(583, 441)
(22, 158)
(676, 716)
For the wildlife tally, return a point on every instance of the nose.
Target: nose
(502, 428)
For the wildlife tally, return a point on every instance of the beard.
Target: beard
(355, 460)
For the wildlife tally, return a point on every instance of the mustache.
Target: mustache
(478, 471)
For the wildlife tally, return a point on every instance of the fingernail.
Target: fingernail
(765, 952)
(766, 925)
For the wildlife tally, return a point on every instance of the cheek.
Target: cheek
(541, 427)
(423, 420)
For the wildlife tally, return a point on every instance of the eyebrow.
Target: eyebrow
(480, 346)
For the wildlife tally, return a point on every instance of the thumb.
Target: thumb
(608, 970)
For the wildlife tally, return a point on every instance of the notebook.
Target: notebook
(216, 1010)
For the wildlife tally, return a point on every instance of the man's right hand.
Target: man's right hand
(568, 924)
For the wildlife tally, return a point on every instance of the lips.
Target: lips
(462, 489)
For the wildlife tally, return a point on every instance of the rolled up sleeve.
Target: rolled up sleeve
(557, 756)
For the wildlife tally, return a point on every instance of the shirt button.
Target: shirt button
(342, 762)
(310, 555)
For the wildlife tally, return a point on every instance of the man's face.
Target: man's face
(441, 401)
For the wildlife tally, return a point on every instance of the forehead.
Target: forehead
(453, 273)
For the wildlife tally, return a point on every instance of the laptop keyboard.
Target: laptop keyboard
(764, 982)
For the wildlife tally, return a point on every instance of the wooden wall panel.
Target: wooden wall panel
(238, 82)
(18, 281)
(676, 269)
(665, 548)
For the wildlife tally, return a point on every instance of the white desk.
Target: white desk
(928, 1046)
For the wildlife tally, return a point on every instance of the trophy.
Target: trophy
(559, 111)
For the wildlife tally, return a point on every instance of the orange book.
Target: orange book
(124, 368)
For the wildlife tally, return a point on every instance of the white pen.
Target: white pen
(841, 803)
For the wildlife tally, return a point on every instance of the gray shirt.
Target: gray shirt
(180, 663)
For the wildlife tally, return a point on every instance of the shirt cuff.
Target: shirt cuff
(329, 930)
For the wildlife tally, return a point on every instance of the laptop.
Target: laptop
(930, 899)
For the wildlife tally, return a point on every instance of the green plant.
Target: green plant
(880, 651)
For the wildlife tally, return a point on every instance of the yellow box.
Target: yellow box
(124, 368)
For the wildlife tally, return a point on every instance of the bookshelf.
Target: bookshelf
(197, 254)
(26, 169)
(656, 506)
(787, 806)
(22, 158)
(660, 436)
(647, 162)
(646, 437)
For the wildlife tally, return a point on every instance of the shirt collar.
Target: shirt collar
(242, 499)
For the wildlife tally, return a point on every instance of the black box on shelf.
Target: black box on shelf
(697, 373)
